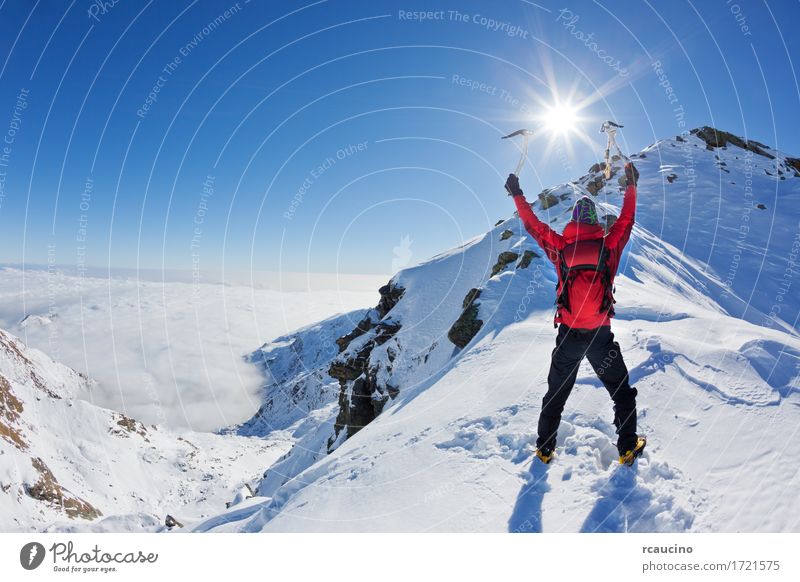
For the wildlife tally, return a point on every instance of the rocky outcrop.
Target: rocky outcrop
(467, 325)
(390, 296)
(715, 138)
(527, 257)
(362, 395)
(48, 490)
(10, 410)
(503, 259)
(547, 200)
(594, 186)
(506, 234)
(126, 426)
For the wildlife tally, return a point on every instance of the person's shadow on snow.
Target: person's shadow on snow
(527, 514)
(622, 505)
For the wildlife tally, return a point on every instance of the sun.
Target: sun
(561, 118)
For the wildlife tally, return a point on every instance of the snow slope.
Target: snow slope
(426, 435)
(68, 465)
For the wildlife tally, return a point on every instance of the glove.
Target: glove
(631, 174)
(512, 185)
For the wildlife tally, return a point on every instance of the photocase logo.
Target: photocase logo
(31, 555)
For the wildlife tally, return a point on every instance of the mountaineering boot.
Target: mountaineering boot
(544, 455)
(630, 456)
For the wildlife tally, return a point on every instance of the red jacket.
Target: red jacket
(585, 285)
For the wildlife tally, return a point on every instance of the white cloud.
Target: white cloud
(171, 352)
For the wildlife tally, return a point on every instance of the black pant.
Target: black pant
(605, 356)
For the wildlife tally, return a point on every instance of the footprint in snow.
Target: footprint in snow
(647, 497)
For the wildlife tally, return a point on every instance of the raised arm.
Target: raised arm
(547, 238)
(620, 231)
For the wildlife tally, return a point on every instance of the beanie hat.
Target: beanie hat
(585, 211)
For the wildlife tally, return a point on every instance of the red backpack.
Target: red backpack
(585, 255)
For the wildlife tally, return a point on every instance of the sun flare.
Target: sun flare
(561, 118)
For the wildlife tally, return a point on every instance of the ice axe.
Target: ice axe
(610, 129)
(526, 134)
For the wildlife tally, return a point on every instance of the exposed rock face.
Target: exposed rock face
(128, 426)
(527, 257)
(47, 489)
(10, 409)
(467, 325)
(361, 328)
(390, 295)
(594, 186)
(547, 200)
(506, 234)
(362, 395)
(503, 259)
(671, 178)
(716, 138)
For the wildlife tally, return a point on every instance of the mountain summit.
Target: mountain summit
(420, 414)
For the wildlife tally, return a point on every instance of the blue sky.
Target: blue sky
(343, 136)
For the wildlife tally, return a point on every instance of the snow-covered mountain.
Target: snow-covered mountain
(420, 414)
(66, 464)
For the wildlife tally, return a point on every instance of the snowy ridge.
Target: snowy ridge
(440, 390)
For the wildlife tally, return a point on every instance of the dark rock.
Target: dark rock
(385, 331)
(346, 369)
(596, 168)
(547, 200)
(716, 138)
(595, 186)
(171, 522)
(48, 490)
(527, 257)
(10, 410)
(609, 219)
(467, 325)
(506, 234)
(361, 328)
(470, 298)
(361, 397)
(794, 163)
(499, 222)
(679, 138)
(671, 178)
(761, 207)
(503, 259)
(390, 296)
(361, 411)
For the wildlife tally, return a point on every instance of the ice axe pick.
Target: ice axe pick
(526, 134)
